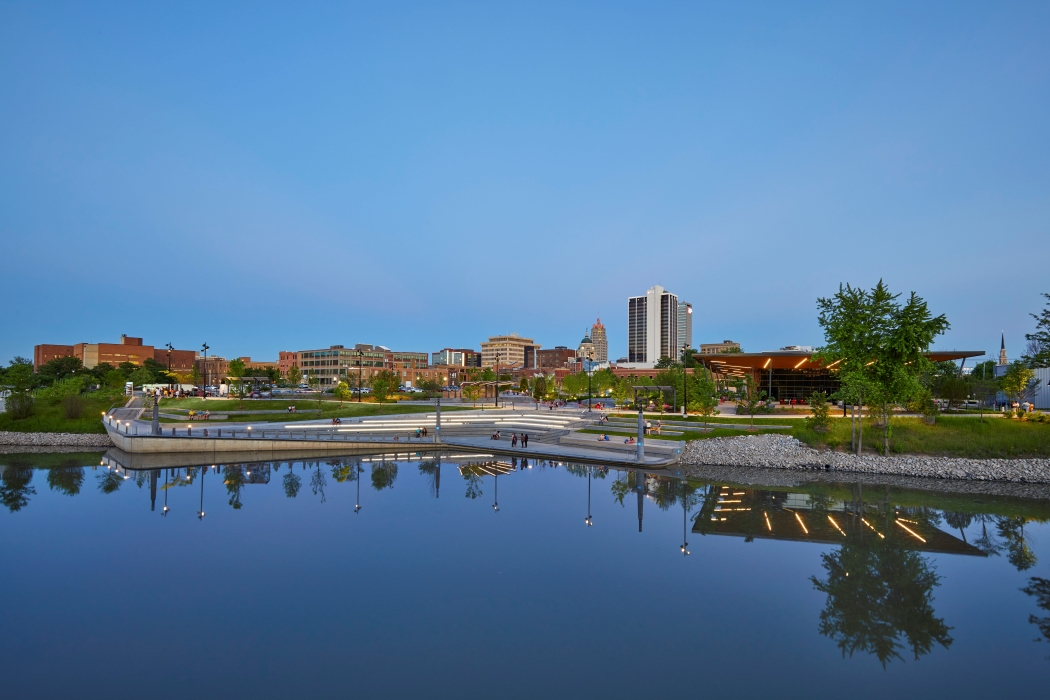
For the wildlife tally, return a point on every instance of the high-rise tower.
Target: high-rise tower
(652, 326)
(685, 326)
(601, 343)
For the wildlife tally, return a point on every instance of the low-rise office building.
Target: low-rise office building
(129, 349)
(456, 357)
(340, 364)
(509, 350)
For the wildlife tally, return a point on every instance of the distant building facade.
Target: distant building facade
(685, 325)
(129, 349)
(718, 348)
(456, 357)
(652, 327)
(510, 350)
(558, 357)
(601, 342)
(337, 363)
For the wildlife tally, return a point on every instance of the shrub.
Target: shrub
(57, 392)
(72, 407)
(820, 422)
(19, 405)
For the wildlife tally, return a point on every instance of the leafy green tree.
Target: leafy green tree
(575, 384)
(984, 370)
(954, 390)
(295, 375)
(820, 421)
(343, 393)
(141, 376)
(60, 368)
(878, 345)
(666, 362)
(384, 383)
(750, 398)
(16, 486)
(472, 390)
(1039, 341)
(879, 597)
(237, 370)
(539, 387)
(1019, 381)
(126, 368)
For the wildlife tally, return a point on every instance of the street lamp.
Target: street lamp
(685, 380)
(588, 519)
(170, 348)
(205, 348)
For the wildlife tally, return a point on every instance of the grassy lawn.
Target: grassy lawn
(686, 435)
(50, 419)
(712, 419)
(329, 410)
(951, 435)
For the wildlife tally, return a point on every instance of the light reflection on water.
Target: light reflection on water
(462, 576)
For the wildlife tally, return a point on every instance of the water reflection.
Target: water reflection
(876, 574)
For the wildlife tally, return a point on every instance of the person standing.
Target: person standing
(524, 440)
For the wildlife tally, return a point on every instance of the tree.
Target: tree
(292, 483)
(877, 345)
(60, 368)
(984, 370)
(109, 481)
(954, 390)
(523, 385)
(1018, 552)
(820, 421)
(384, 383)
(141, 376)
(295, 375)
(1019, 381)
(343, 393)
(752, 398)
(539, 388)
(1039, 341)
(575, 384)
(472, 390)
(19, 379)
(237, 370)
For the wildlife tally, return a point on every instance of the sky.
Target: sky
(285, 176)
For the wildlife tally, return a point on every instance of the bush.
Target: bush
(56, 393)
(820, 422)
(19, 405)
(72, 407)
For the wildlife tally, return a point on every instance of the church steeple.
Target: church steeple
(1002, 351)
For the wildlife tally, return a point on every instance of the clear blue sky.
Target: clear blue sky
(267, 177)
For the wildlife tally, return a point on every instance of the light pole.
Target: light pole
(685, 381)
(170, 348)
(205, 348)
(497, 377)
(588, 519)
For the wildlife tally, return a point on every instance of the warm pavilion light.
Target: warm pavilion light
(804, 528)
(913, 533)
(834, 363)
(767, 363)
(804, 361)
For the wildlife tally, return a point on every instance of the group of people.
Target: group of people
(203, 415)
(422, 432)
(291, 409)
(514, 438)
(336, 421)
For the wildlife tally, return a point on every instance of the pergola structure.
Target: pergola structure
(794, 374)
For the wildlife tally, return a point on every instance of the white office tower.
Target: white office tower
(652, 327)
(685, 326)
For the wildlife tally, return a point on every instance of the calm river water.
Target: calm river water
(472, 577)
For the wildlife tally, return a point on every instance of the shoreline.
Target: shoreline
(786, 453)
(14, 439)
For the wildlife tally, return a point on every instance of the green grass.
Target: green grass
(950, 436)
(686, 435)
(711, 419)
(329, 411)
(50, 419)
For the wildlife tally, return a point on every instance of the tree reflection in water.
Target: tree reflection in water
(1018, 553)
(67, 479)
(15, 486)
(472, 475)
(878, 592)
(1040, 589)
(109, 481)
(317, 481)
(233, 478)
(384, 475)
(291, 482)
